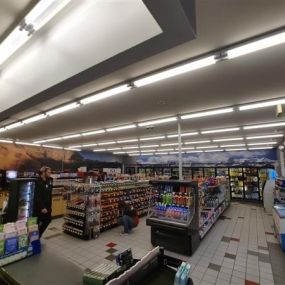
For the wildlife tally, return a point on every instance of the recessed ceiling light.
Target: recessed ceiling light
(207, 113)
(106, 94)
(205, 147)
(228, 139)
(265, 136)
(262, 143)
(127, 141)
(220, 131)
(175, 71)
(34, 118)
(152, 138)
(14, 125)
(262, 104)
(132, 126)
(157, 122)
(260, 148)
(107, 143)
(197, 142)
(233, 145)
(256, 45)
(71, 136)
(93, 133)
(270, 125)
(150, 145)
(183, 135)
(62, 109)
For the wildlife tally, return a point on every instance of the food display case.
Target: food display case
(279, 223)
(187, 173)
(197, 172)
(209, 172)
(174, 216)
(236, 183)
(251, 183)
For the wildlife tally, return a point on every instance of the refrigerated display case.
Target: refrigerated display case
(251, 183)
(209, 172)
(158, 171)
(187, 173)
(175, 171)
(174, 216)
(21, 199)
(141, 171)
(222, 171)
(149, 172)
(167, 171)
(236, 183)
(197, 172)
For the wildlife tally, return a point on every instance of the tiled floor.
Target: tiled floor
(240, 249)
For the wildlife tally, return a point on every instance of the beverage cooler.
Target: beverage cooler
(174, 218)
(21, 199)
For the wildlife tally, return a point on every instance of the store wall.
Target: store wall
(254, 158)
(29, 158)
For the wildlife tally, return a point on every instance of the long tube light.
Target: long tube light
(90, 144)
(228, 139)
(107, 143)
(105, 94)
(71, 136)
(194, 151)
(143, 153)
(232, 145)
(169, 144)
(197, 142)
(264, 126)
(152, 138)
(119, 152)
(132, 126)
(52, 139)
(183, 135)
(130, 147)
(265, 136)
(214, 150)
(200, 63)
(52, 146)
(75, 146)
(207, 113)
(236, 149)
(148, 150)
(206, 147)
(127, 141)
(262, 143)
(5, 141)
(93, 133)
(26, 143)
(165, 149)
(260, 148)
(14, 125)
(114, 148)
(261, 105)
(220, 131)
(256, 45)
(62, 109)
(157, 122)
(148, 146)
(161, 153)
(133, 151)
(99, 149)
(187, 148)
(73, 149)
(34, 118)
(41, 141)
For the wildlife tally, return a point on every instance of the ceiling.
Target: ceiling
(254, 77)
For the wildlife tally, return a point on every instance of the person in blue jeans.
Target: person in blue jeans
(129, 219)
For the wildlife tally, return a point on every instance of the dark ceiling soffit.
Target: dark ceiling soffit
(176, 18)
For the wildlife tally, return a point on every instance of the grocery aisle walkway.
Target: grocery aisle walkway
(240, 249)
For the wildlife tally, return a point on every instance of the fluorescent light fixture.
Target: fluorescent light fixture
(262, 104)
(127, 141)
(53, 139)
(44, 11)
(131, 147)
(173, 152)
(143, 153)
(133, 151)
(91, 144)
(74, 146)
(165, 149)
(149, 150)
(14, 125)
(206, 147)
(187, 148)
(26, 143)
(262, 143)
(38, 142)
(34, 118)
(119, 152)
(132, 126)
(270, 125)
(220, 131)
(5, 141)
(233, 145)
(169, 144)
(107, 143)
(200, 63)
(183, 135)
(114, 148)
(198, 142)
(73, 149)
(161, 153)
(93, 133)
(105, 94)
(71, 136)
(150, 145)
(52, 146)
(257, 45)
(134, 154)
(214, 150)
(157, 122)
(207, 113)
(152, 138)
(62, 109)
(236, 149)
(228, 139)
(2, 130)
(99, 149)
(265, 136)
(194, 151)
(260, 148)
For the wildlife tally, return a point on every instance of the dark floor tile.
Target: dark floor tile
(248, 282)
(269, 233)
(53, 236)
(226, 239)
(235, 239)
(214, 267)
(251, 252)
(110, 257)
(111, 244)
(231, 256)
(264, 258)
(111, 250)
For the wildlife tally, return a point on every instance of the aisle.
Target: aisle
(240, 249)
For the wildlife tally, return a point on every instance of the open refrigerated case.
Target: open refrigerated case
(174, 215)
(236, 182)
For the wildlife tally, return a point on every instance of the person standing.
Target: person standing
(43, 199)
